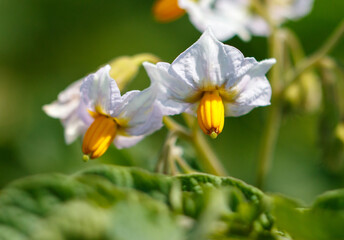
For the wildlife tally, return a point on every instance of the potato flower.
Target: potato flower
(228, 18)
(124, 120)
(94, 107)
(211, 80)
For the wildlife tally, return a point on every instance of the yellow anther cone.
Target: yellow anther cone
(210, 114)
(167, 10)
(99, 136)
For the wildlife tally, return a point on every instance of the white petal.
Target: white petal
(61, 110)
(66, 108)
(99, 90)
(281, 11)
(234, 110)
(125, 142)
(84, 115)
(74, 127)
(172, 90)
(252, 90)
(258, 26)
(71, 92)
(227, 18)
(67, 102)
(143, 116)
(205, 64)
(245, 65)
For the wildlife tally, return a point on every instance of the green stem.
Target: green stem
(272, 125)
(309, 62)
(164, 158)
(208, 160)
(177, 128)
(270, 136)
(295, 46)
(183, 165)
(261, 9)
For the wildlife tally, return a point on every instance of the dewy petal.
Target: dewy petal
(141, 114)
(125, 142)
(100, 92)
(172, 90)
(252, 90)
(206, 63)
(227, 18)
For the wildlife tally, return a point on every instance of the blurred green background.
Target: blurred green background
(47, 44)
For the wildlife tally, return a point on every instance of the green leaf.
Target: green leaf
(144, 220)
(111, 202)
(324, 220)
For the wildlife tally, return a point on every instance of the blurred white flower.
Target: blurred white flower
(282, 10)
(124, 120)
(66, 108)
(228, 18)
(212, 80)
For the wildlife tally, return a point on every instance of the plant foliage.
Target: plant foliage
(110, 202)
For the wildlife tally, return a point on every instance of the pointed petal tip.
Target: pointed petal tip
(45, 109)
(146, 64)
(208, 33)
(270, 61)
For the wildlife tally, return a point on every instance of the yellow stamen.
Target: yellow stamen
(211, 114)
(167, 10)
(99, 136)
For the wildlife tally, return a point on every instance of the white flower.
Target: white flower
(213, 80)
(282, 10)
(228, 18)
(66, 108)
(124, 120)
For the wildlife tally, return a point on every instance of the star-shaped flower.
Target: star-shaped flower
(124, 120)
(211, 80)
(94, 107)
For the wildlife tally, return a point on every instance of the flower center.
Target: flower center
(211, 114)
(99, 136)
(167, 10)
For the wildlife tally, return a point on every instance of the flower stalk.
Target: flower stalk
(271, 129)
(307, 63)
(207, 158)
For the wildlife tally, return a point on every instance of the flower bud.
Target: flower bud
(306, 93)
(340, 132)
(167, 10)
(125, 68)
